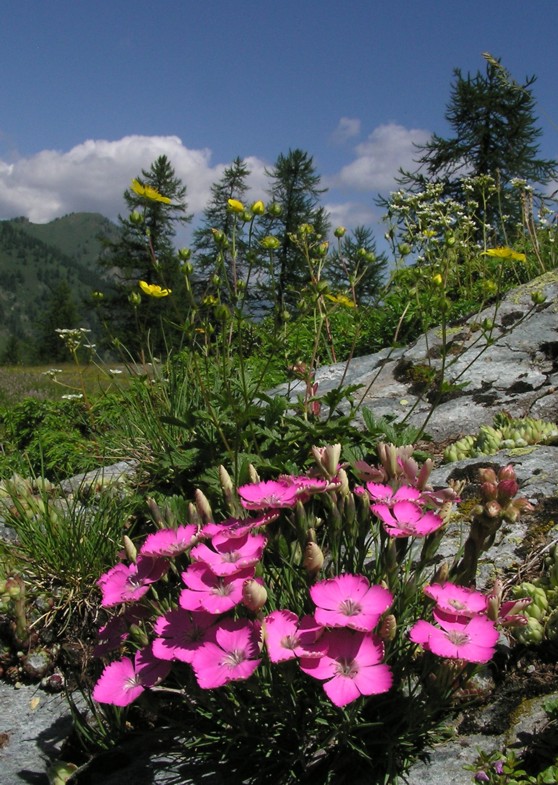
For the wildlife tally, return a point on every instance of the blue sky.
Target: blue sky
(93, 91)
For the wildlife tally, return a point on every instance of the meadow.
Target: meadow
(264, 586)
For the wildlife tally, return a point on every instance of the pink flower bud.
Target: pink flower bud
(493, 509)
(507, 489)
(487, 475)
(488, 491)
(507, 473)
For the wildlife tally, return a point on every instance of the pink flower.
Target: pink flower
(307, 486)
(386, 494)
(349, 601)
(169, 542)
(236, 527)
(231, 657)
(455, 601)
(123, 681)
(261, 495)
(129, 582)
(180, 634)
(115, 631)
(352, 666)
(231, 555)
(407, 519)
(209, 592)
(286, 637)
(474, 641)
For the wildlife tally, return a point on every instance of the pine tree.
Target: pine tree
(60, 312)
(356, 266)
(144, 250)
(494, 133)
(218, 218)
(295, 192)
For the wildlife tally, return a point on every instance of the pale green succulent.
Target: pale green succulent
(506, 433)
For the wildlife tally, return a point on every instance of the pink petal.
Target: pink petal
(373, 679)
(341, 690)
(118, 684)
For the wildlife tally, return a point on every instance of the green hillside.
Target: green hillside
(35, 261)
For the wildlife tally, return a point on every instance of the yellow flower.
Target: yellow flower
(148, 192)
(153, 289)
(503, 252)
(258, 208)
(235, 206)
(341, 299)
(437, 279)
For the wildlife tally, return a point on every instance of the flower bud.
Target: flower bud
(274, 209)
(538, 298)
(258, 208)
(507, 489)
(254, 594)
(507, 473)
(313, 558)
(226, 481)
(404, 249)
(97, 296)
(138, 635)
(134, 298)
(184, 254)
(437, 279)
(203, 507)
(487, 475)
(442, 573)
(488, 491)
(136, 218)
(388, 628)
(235, 206)
(493, 509)
(339, 232)
(270, 243)
(130, 548)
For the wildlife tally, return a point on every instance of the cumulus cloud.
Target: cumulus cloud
(351, 214)
(347, 128)
(92, 176)
(378, 159)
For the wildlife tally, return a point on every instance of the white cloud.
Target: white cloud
(347, 128)
(351, 214)
(388, 148)
(93, 175)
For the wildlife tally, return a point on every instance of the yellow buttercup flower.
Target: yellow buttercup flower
(503, 252)
(148, 192)
(153, 289)
(341, 299)
(235, 206)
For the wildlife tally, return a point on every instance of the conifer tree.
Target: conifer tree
(144, 250)
(295, 194)
(217, 218)
(495, 134)
(356, 266)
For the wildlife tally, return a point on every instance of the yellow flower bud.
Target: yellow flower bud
(339, 232)
(258, 208)
(235, 206)
(437, 279)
